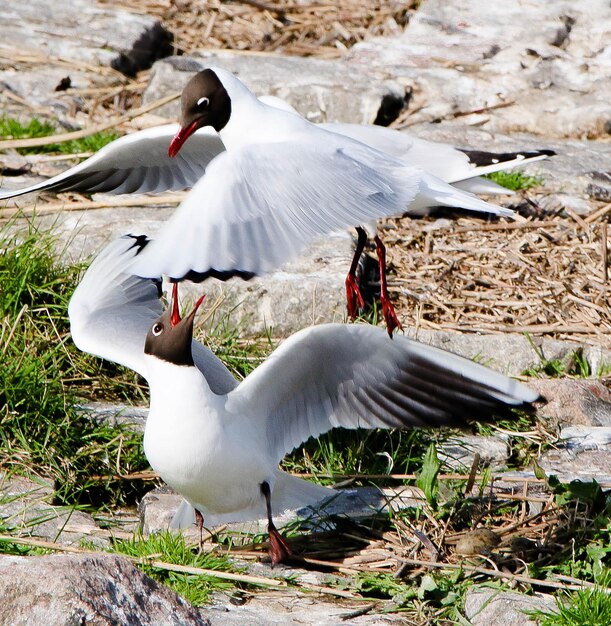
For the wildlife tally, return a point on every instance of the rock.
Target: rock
(586, 437)
(478, 541)
(484, 607)
(25, 511)
(509, 353)
(98, 590)
(461, 57)
(132, 417)
(578, 464)
(157, 509)
(458, 452)
(54, 30)
(320, 90)
(574, 402)
(296, 609)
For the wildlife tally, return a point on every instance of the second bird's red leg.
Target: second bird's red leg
(388, 310)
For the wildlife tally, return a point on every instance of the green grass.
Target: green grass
(514, 180)
(11, 128)
(42, 374)
(171, 548)
(587, 607)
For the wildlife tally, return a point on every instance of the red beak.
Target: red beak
(180, 137)
(175, 318)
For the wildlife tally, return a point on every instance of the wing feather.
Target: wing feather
(278, 196)
(136, 163)
(355, 376)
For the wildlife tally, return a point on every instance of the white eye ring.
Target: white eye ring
(203, 102)
(157, 329)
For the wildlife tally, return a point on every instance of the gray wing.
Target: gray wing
(354, 376)
(258, 206)
(136, 163)
(112, 310)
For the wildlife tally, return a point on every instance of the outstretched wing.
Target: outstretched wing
(354, 376)
(112, 310)
(259, 205)
(136, 163)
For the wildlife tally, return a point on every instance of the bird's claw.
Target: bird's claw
(354, 299)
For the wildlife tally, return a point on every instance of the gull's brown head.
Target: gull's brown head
(169, 338)
(204, 102)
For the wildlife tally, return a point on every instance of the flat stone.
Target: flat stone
(132, 417)
(320, 90)
(578, 464)
(81, 31)
(101, 590)
(484, 607)
(510, 353)
(574, 402)
(296, 609)
(25, 511)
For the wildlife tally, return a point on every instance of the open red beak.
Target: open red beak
(175, 318)
(180, 137)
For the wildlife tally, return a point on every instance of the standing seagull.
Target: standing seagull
(220, 448)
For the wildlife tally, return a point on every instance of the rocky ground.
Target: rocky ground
(519, 75)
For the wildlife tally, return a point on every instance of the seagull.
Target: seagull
(218, 442)
(139, 162)
(281, 182)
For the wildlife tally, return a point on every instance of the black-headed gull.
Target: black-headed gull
(219, 445)
(139, 162)
(281, 182)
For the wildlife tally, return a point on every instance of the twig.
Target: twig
(34, 142)
(603, 236)
(45, 209)
(499, 574)
(505, 226)
(172, 567)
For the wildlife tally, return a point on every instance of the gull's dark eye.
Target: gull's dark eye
(157, 329)
(203, 103)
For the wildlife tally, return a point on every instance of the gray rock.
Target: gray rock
(586, 437)
(320, 90)
(509, 353)
(484, 607)
(578, 464)
(57, 30)
(574, 402)
(463, 57)
(296, 609)
(25, 511)
(98, 590)
(132, 417)
(458, 452)
(157, 509)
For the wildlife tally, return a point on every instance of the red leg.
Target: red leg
(354, 298)
(279, 549)
(388, 310)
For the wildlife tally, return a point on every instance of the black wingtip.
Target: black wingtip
(140, 242)
(198, 277)
(481, 158)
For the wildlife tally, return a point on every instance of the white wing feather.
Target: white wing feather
(112, 310)
(260, 204)
(355, 376)
(136, 163)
